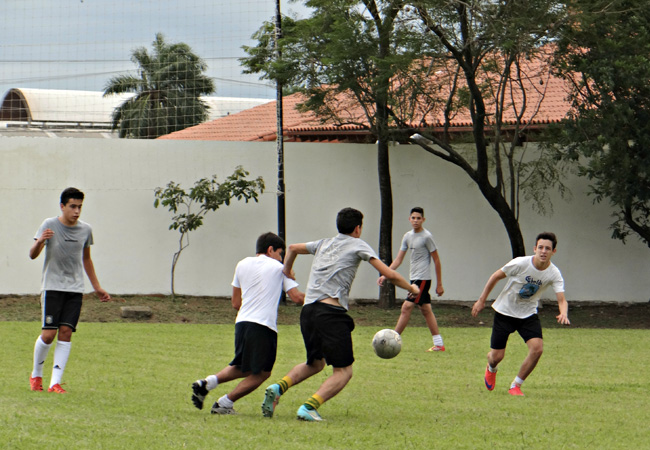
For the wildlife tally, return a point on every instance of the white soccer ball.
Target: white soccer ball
(387, 343)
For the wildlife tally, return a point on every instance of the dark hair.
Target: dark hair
(547, 235)
(347, 220)
(268, 240)
(417, 209)
(69, 193)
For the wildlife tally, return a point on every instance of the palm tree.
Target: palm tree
(167, 91)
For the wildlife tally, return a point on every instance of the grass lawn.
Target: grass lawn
(129, 388)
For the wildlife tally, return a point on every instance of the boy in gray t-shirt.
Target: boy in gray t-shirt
(67, 242)
(324, 322)
(423, 250)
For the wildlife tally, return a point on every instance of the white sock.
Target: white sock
(61, 354)
(41, 349)
(517, 382)
(437, 340)
(492, 369)
(212, 382)
(225, 402)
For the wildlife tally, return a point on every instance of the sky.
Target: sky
(81, 44)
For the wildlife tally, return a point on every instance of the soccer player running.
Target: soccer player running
(423, 251)
(516, 307)
(325, 325)
(67, 242)
(257, 286)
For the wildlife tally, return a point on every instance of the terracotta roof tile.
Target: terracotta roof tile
(546, 97)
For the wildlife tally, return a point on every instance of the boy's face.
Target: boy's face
(544, 250)
(416, 220)
(71, 211)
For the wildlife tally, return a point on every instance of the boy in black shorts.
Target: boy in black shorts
(325, 325)
(67, 242)
(516, 307)
(423, 250)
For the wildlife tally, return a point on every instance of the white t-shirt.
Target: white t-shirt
(520, 296)
(261, 281)
(334, 267)
(421, 245)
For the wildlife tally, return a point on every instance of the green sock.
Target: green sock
(314, 402)
(285, 383)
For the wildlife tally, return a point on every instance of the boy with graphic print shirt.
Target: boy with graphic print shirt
(516, 307)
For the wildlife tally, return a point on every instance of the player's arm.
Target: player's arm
(492, 281)
(39, 243)
(394, 265)
(296, 296)
(393, 276)
(293, 251)
(438, 267)
(236, 298)
(89, 267)
(563, 317)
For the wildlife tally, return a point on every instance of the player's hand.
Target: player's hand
(478, 307)
(47, 234)
(103, 295)
(416, 289)
(440, 290)
(563, 319)
(380, 280)
(289, 274)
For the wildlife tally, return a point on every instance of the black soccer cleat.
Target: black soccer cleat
(199, 392)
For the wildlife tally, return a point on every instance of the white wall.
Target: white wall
(133, 246)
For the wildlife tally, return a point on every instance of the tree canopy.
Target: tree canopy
(167, 91)
(605, 53)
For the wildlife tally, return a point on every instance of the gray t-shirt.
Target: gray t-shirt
(334, 267)
(63, 267)
(421, 245)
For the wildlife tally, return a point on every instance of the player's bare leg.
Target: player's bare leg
(535, 350)
(248, 385)
(405, 316)
(335, 382)
(430, 319)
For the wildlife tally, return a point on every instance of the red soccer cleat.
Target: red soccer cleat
(490, 378)
(516, 391)
(36, 383)
(58, 389)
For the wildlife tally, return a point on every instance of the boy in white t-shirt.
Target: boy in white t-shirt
(257, 286)
(516, 307)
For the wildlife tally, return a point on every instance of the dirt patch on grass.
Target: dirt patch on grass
(217, 310)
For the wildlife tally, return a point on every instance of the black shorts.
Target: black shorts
(424, 297)
(60, 308)
(327, 332)
(256, 347)
(504, 326)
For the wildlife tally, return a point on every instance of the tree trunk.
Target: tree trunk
(500, 205)
(386, 292)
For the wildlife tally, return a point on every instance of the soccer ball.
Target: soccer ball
(387, 343)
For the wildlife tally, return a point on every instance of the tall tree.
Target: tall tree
(605, 53)
(345, 58)
(167, 91)
(491, 65)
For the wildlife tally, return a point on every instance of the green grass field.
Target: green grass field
(129, 388)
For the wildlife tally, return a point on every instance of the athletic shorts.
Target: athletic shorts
(424, 297)
(504, 326)
(60, 308)
(327, 332)
(255, 347)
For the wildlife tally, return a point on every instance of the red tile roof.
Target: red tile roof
(546, 97)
